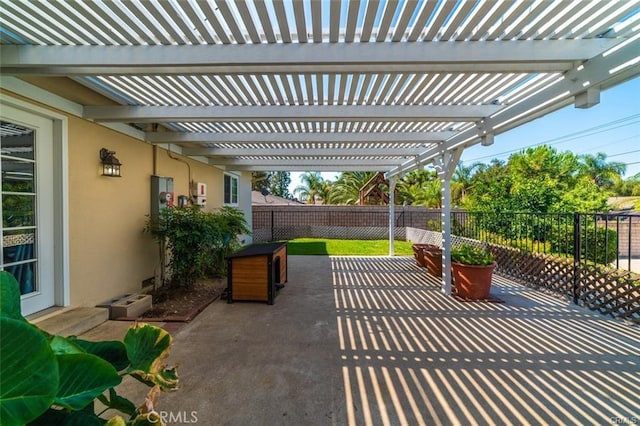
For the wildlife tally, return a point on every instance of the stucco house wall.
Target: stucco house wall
(108, 251)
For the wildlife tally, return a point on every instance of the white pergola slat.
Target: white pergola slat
(276, 151)
(255, 84)
(289, 137)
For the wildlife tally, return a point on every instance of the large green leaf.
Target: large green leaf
(82, 378)
(28, 372)
(116, 421)
(112, 351)
(10, 297)
(61, 345)
(68, 418)
(147, 346)
(116, 402)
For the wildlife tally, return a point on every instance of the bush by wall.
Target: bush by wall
(198, 241)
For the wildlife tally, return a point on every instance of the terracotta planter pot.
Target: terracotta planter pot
(433, 261)
(418, 253)
(472, 281)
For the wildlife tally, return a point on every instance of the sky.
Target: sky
(611, 127)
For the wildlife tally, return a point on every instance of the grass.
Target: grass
(320, 246)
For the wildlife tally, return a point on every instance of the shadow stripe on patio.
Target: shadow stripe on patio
(411, 355)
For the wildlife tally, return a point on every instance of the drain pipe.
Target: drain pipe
(155, 160)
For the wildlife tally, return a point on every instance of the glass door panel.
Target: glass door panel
(19, 228)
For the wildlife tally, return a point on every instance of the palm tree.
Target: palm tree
(462, 182)
(427, 194)
(410, 188)
(346, 189)
(599, 171)
(311, 187)
(324, 192)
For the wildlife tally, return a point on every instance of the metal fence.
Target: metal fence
(592, 258)
(602, 238)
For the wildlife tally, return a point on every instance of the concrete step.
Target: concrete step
(72, 322)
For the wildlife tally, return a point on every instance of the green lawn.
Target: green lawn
(319, 246)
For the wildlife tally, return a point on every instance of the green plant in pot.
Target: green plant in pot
(472, 270)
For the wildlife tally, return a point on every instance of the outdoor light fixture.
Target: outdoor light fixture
(110, 164)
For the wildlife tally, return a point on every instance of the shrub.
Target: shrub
(597, 243)
(471, 255)
(197, 241)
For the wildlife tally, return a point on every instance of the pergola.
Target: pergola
(326, 85)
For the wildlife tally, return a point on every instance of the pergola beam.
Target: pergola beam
(298, 137)
(421, 113)
(305, 167)
(477, 56)
(305, 164)
(300, 152)
(337, 163)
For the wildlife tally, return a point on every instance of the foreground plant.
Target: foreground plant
(469, 254)
(48, 379)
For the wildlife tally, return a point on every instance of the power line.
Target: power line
(624, 153)
(601, 128)
(608, 144)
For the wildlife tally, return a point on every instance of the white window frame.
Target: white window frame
(231, 201)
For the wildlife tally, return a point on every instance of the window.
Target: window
(230, 189)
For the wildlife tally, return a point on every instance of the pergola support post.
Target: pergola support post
(446, 164)
(392, 215)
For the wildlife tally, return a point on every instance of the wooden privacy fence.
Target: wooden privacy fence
(587, 258)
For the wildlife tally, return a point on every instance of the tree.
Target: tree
(537, 179)
(490, 187)
(346, 189)
(420, 188)
(324, 191)
(584, 196)
(604, 174)
(260, 181)
(628, 187)
(429, 194)
(279, 184)
(462, 182)
(311, 186)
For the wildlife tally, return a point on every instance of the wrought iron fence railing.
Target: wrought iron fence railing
(592, 258)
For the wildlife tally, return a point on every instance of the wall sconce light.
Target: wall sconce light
(110, 164)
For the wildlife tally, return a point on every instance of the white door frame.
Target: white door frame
(60, 215)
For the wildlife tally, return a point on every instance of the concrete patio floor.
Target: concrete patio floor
(357, 341)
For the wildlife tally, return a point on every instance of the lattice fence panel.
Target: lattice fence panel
(610, 291)
(534, 269)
